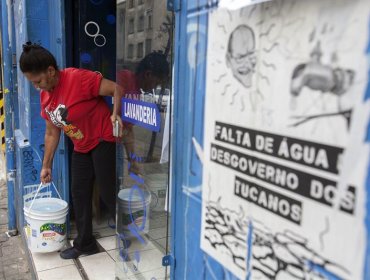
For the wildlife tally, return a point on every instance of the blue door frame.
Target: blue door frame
(189, 87)
(10, 106)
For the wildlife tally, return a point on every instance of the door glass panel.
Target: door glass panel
(144, 51)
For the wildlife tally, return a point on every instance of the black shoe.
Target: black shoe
(73, 253)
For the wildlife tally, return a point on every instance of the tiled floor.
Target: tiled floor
(69, 272)
(47, 261)
(150, 261)
(99, 266)
(142, 260)
(108, 243)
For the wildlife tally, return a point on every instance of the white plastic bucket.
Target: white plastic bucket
(133, 211)
(46, 227)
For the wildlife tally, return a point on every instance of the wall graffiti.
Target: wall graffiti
(30, 171)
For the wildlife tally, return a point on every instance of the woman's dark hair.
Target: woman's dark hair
(36, 59)
(156, 62)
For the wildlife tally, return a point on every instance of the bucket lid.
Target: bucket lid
(46, 206)
(124, 195)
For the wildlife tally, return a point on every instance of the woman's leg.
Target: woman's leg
(104, 160)
(82, 185)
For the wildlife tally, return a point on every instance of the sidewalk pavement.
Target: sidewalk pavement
(13, 257)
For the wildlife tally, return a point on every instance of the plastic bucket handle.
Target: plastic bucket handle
(38, 190)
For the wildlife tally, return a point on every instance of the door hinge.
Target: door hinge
(168, 260)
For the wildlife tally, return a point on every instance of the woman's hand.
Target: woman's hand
(116, 119)
(45, 175)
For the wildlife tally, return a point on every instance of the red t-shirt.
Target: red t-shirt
(76, 107)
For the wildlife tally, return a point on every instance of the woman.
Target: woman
(72, 101)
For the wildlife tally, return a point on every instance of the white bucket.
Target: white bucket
(46, 227)
(133, 210)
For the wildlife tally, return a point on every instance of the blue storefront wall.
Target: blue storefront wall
(39, 22)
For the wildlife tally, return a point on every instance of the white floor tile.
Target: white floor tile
(99, 266)
(44, 261)
(104, 232)
(160, 222)
(114, 254)
(157, 233)
(108, 243)
(121, 275)
(157, 274)
(147, 261)
(162, 243)
(69, 272)
(135, 245)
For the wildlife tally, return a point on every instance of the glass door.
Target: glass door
(143, 70)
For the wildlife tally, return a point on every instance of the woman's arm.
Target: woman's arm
(110, 88)
(52, 135)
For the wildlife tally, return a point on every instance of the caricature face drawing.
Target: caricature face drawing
(241, 56)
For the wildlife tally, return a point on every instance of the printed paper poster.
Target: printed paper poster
(285, 161)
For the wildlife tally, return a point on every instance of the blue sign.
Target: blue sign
(141, 113)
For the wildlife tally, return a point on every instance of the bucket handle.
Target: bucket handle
(38, 190)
